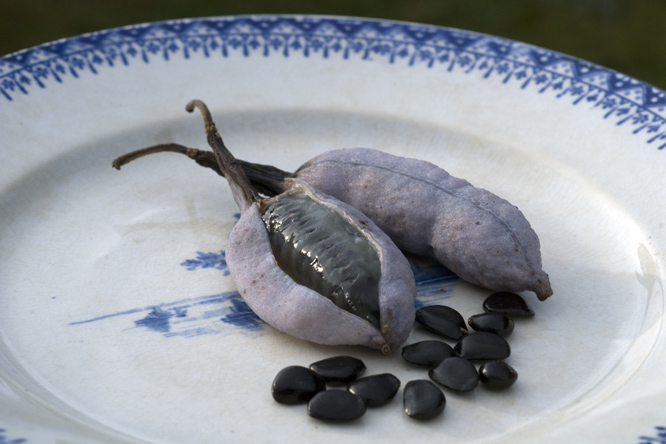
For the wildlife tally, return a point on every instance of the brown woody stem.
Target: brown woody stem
(241, 188)
(192, 153)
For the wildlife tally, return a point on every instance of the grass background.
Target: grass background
(626, 35)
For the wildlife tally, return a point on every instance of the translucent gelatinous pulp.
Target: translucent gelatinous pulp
(320, 249)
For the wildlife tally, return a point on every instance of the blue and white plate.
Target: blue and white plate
(119, 321)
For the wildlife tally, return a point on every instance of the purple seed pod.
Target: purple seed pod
(479, 236)
(308, 264)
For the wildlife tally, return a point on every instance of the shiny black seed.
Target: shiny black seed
(296, 384)
(427, 353)
(336, 405)
(423, 399)
(497, 375)
(376, 389)
(508, 303)
(455, 373)
(442, 320)
(482, 345)
(339, 369)
(498, 323)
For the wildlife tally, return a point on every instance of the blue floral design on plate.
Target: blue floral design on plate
(659, 438)
(614, 96)
(209, 314)
(207, 260)
(4, 439)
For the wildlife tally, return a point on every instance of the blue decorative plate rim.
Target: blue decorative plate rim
(617, 97)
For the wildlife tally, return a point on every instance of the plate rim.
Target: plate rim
(621, 99)
(73, 51)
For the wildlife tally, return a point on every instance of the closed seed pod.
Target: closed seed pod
(479, 236)
(308, 264)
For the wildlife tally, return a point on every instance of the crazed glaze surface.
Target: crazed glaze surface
(304, 313)
(479, 236)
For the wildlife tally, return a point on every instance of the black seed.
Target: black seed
(376, 389)
(508, 303)
(497, 375)
(442, 320)
(498, 323)
(482, 345)
(423, 400)
(296, 384)
(427, 353)
(336, 405)
(455, 373)
(339, 369)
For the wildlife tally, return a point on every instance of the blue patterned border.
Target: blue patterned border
(616, 97)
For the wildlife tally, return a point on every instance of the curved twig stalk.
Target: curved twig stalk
(241, 188)
(192, 153)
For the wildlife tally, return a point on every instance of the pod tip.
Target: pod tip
(543, 289)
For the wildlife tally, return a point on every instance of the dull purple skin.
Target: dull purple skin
(479, 236)
(304, 313)
(269, 291)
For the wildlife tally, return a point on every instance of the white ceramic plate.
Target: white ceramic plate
(119, 322)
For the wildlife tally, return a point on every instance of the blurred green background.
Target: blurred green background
(626, 35)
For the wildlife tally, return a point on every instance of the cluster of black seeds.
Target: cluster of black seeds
(450, 367)
(453, 367)
(295, 384)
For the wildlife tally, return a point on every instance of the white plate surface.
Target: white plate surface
(119, 322)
